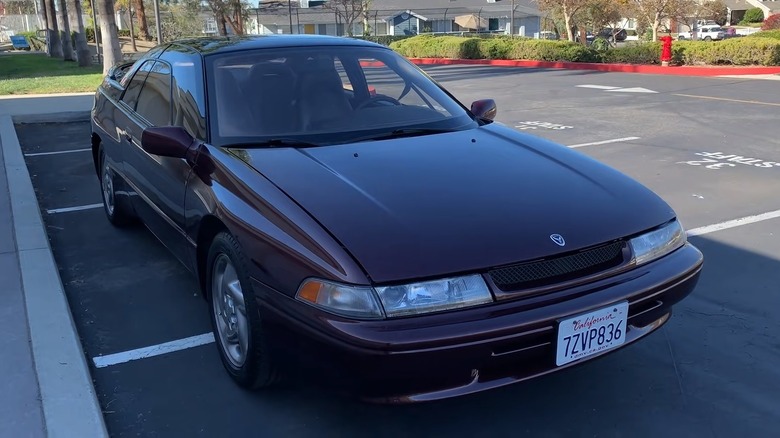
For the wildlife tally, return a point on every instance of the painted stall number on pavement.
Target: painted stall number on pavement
(718, 160)
(546, 125)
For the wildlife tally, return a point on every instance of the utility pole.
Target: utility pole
(289, 13)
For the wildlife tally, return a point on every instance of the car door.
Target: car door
(158, 181)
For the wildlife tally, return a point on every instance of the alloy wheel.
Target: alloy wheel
(229, 309)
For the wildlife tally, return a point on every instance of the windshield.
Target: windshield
(323, 95)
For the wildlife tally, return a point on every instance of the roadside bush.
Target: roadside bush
(384, 40)
(753, 15)
(642, 53)
(771, 23)
(737, 51)
(773, 34)
(428, 46)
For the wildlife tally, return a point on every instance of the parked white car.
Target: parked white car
(709, 33)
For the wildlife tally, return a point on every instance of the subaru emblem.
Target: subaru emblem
(558, 239)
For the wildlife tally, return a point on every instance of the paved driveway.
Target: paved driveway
(711, 147)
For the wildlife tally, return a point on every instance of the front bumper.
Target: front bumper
(454, 353)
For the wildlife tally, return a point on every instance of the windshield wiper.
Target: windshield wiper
(400, 133)
(273, 143)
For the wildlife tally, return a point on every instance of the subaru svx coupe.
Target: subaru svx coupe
(349, 220)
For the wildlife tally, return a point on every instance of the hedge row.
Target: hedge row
(427, 46)
(774, 34)
(737, 51)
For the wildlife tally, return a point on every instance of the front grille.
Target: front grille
(559, 269)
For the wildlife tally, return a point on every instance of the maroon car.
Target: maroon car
(351, 222)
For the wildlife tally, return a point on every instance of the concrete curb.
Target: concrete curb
(70, 405)
(617, 68)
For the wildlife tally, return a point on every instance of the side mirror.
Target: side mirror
(167, 141)
(118, 70)
(485, 108)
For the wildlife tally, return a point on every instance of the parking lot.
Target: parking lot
(709, 146)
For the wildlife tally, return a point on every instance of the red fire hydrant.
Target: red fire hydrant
(666, 50)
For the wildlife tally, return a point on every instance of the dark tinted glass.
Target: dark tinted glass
(189, 106)
(133, 88)
(154, 102)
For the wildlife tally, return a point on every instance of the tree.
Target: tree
(567, 9)
(52, 30)
(182, 20)
(228, 13)
(112, 53)
(349, 11)
(140, 13)
(83, 54)
(656, 11)
(67, 44)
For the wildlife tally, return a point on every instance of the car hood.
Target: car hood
(457, 202)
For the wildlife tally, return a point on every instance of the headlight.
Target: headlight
(408, 299)
(344, 300)
(432, 296)
(657, 243)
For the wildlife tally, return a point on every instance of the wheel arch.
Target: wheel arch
(208, 229)
(96, 141)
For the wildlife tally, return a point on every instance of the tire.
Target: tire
(232, 305)
(707, 38)
(116, 212)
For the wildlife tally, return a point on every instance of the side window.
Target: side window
(154, 102)
(189, 106)
(133, 88)
(342, 74)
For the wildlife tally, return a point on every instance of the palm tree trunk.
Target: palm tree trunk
(140, 13)
(112, 53)
(67, 43)
(83, 54)
(52, 30)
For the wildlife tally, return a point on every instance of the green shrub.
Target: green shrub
(496, 48)
(737, 51)
(754, 15)
(774, 34)
(385, 40)
(428, 46)
(642, 53)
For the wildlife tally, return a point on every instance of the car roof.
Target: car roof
(210, 45)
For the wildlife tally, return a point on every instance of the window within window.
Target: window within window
(133, 88)
(154, 102)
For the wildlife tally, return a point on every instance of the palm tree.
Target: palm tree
(83, 53)
(67, 44)
(112, 53)
(52, 30)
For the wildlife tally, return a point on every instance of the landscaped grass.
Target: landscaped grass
(38, 74)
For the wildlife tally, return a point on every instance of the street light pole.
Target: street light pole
(512, 20)
(95, 31)
(157, 21)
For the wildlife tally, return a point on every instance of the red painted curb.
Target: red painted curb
(622, 68)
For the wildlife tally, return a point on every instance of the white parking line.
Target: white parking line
(595, 143)
(77, 208)
(154, 350)
(38, 154)
(208, 338)
(734, 223)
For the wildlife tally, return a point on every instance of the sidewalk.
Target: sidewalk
(45, 385)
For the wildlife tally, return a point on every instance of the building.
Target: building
(396, 17)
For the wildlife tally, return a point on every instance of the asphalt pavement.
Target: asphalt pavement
(709, 146)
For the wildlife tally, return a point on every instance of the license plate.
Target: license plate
(591, 333)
